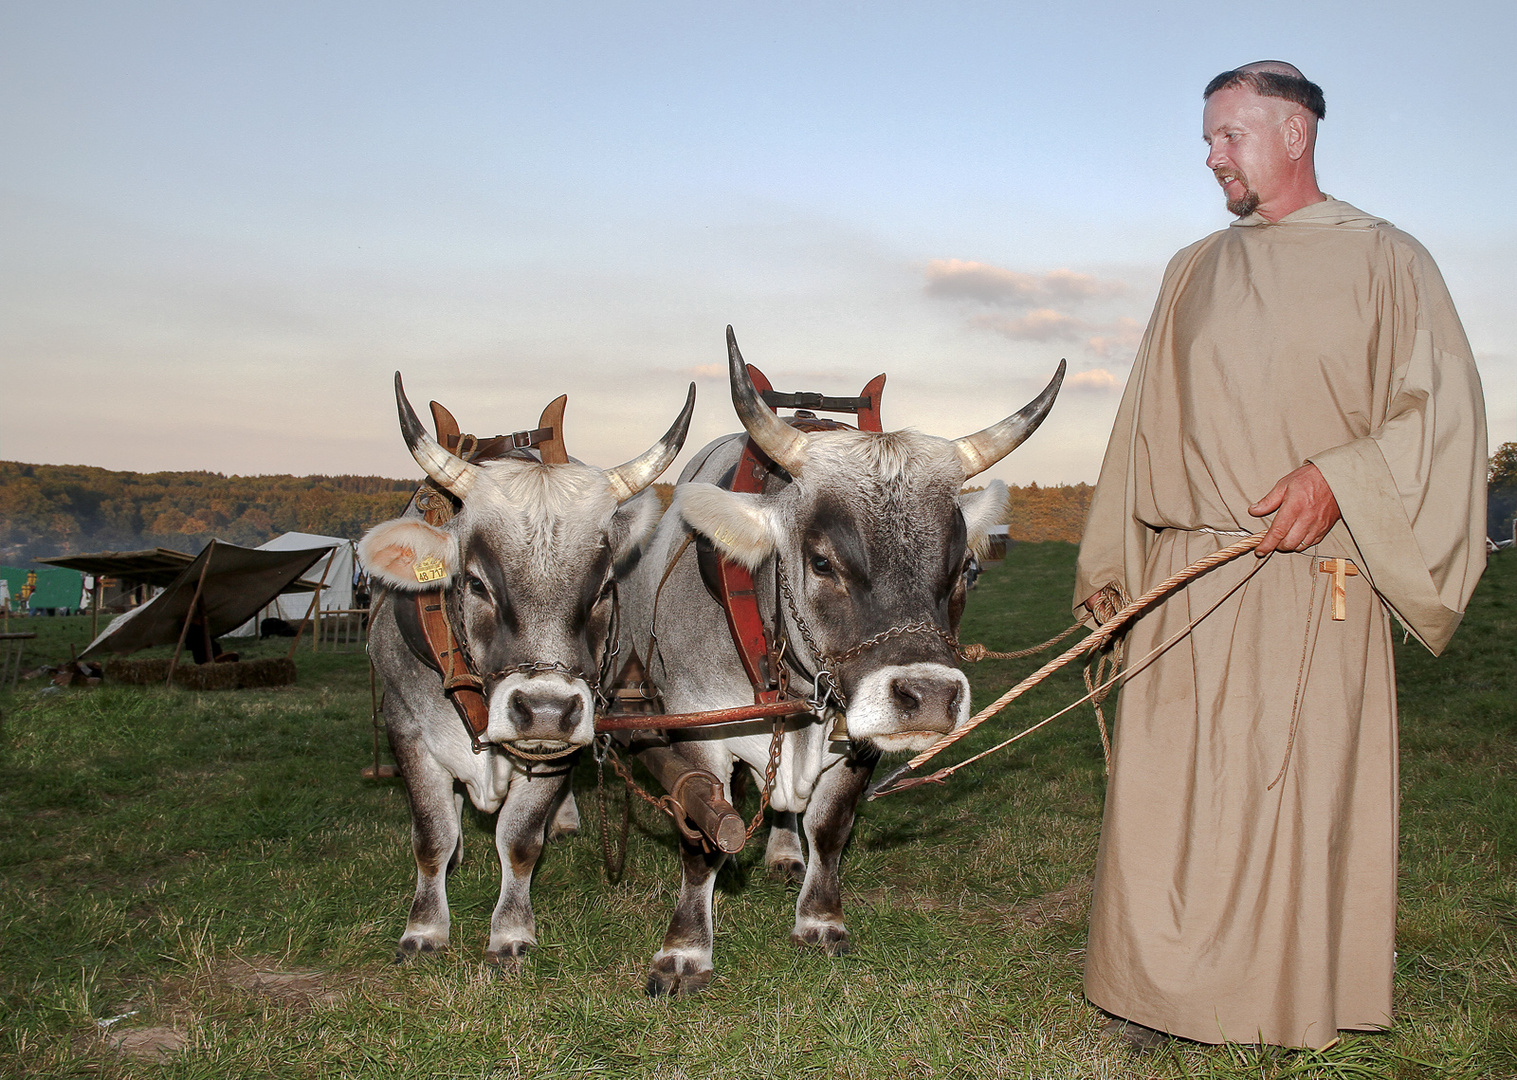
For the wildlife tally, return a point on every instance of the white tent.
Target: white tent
(336, 593)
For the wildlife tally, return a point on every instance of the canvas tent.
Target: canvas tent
(224, 585)
(336, 590)
(54, 588)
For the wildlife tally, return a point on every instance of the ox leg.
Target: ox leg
(519, 835)
(565, 815)
(783, 856)
(683, 965)
(829, 821)
(437, 842)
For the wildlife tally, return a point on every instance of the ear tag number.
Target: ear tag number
(430, 569)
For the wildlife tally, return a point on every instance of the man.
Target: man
(1305, 366)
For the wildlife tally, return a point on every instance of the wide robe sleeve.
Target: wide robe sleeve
(1412, 491)
(1114, 544)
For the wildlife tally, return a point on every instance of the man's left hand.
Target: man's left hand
(1304, 509)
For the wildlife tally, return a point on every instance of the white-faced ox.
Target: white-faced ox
(527, 564)
(869, 534)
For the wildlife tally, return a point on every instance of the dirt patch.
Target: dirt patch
(1067, 905)
(297, 988)
(147, 1044)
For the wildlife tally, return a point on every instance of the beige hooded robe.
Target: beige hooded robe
(1246, 881)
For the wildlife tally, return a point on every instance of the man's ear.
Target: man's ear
(1297, 137)
(409, 555)
(741, 525)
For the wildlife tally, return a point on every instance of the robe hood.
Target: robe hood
(1329, 211)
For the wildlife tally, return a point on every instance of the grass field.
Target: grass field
(212, 869)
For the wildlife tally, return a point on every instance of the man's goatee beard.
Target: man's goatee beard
(1244, 206)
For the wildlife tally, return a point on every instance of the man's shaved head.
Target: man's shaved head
(1275, 79)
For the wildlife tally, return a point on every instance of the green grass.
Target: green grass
(214, 864)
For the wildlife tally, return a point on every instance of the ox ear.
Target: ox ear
(739, 524)
(409, 555)
(630, 528)
(983, 509)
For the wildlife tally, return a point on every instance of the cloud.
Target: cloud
(1119, 340)
(1044, 324)
(708, 371)
(959, 279)
(1097, 379)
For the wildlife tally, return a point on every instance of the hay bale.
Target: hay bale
(237, 675)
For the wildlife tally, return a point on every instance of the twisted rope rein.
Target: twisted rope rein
(1108, 630)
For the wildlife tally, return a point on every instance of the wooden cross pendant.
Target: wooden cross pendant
(1340, 569)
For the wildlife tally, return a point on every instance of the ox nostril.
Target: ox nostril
(906, 695)
(544, 712)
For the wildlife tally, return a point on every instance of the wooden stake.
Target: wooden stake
(210, 553)
(315, 599)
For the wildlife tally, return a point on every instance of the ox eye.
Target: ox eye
(821, 566)
(477, 587)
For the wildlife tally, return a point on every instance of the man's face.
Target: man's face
(1246, 134)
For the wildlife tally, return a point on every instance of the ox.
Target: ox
(525, 571)
(858, 543)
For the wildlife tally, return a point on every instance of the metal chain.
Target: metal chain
(828, 661)
(770, 773)
(615, 867)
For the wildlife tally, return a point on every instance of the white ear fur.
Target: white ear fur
(983, 509)
(392, 550)
(633, 523)
(740, 524)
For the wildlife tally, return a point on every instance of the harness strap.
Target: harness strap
(732, 583)
(461, 686)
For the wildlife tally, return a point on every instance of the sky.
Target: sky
(224, 227)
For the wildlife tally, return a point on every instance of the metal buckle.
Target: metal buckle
(521, 440)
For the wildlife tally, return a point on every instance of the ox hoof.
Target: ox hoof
(558, 832)
(669, 978)
(792, 871)
(830, 938)
(417, 946)
(509, 956)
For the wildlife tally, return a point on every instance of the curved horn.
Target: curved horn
(448, 471)
(983, 449)
(627, 480)
(785, 446)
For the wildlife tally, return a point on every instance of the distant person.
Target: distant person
(1305, 367)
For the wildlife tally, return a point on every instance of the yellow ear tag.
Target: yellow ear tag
(430, 569)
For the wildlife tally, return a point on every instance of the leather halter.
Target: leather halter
(731, 583)
(424, 625)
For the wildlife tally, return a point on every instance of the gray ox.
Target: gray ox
(870, 533)
(529, 560)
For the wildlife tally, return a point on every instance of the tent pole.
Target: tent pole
(95, 609)
(315, 599)
(194, 606)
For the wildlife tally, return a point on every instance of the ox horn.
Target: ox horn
(983, 449)
(627, 480)
(447, 470)
(785, 445)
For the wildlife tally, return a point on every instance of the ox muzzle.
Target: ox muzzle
(541, 711)
(908, 706)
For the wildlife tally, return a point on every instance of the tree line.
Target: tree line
(68, 509)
